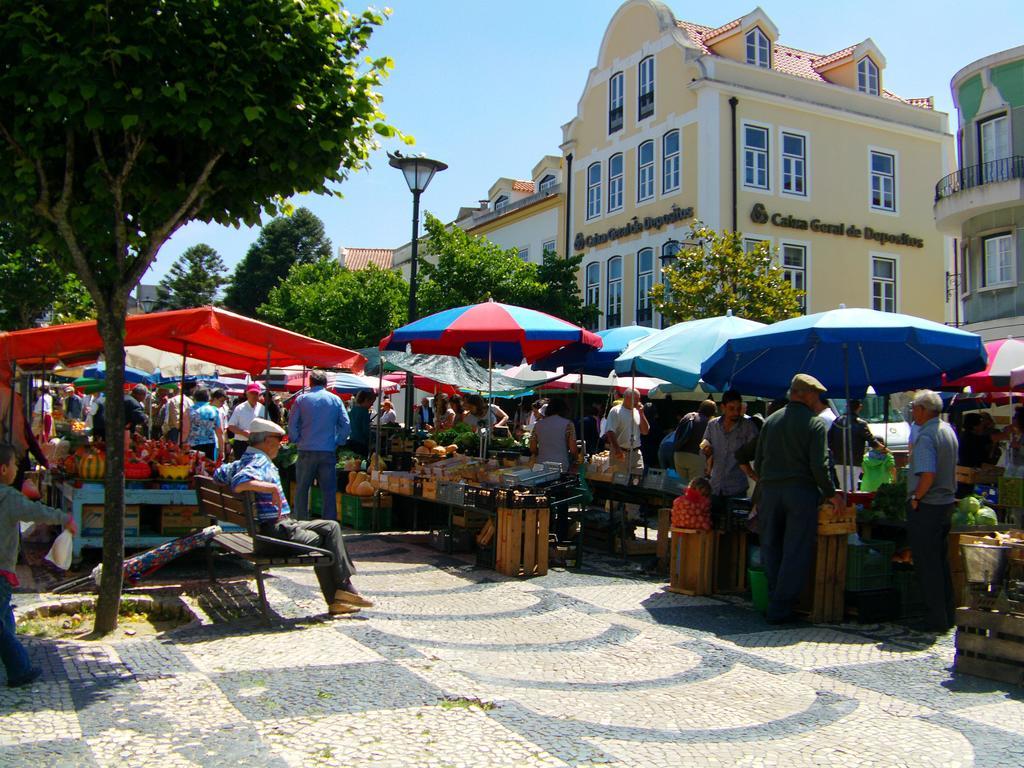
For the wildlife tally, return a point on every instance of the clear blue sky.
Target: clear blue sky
(486, 87)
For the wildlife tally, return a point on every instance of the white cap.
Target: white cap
(265, 427)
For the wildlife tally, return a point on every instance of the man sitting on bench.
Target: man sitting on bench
(256, 472)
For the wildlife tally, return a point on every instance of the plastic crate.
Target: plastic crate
(758, 589)
(363, 519)
(911, 596)
(869, 565)
(350, 507)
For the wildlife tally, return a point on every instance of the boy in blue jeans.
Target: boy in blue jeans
(14, 508)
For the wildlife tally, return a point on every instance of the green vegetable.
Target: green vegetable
(891, 501)
(986, 516)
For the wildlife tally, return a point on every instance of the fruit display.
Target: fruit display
(142, 460)
(92, 465)
(359, 484)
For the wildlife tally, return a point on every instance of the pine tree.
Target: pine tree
(193, 280)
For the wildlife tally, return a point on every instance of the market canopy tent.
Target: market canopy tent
(208, 333)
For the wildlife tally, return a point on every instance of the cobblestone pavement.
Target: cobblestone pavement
(457, 666)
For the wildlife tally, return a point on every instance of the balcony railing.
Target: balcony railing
(1003, 169)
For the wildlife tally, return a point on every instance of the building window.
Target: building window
(755, 157)
(524, 253)
(867, 76)
(794, 270)
(758, 49)
(644, 282)
(549, 247)
(997, 251)
(883, 181)
(883, 284)
(592, 293)
(964, 278)
(594, 191)
(615, 182)
(613, 315)
(994, 145)
(794, 164)
(547, 184)
(615, 90)
(670, 162)
(500, 203)
(645, 104)
(668, 254)
(645, 171)
(750, 243)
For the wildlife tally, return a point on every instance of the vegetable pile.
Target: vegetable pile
(970, 511)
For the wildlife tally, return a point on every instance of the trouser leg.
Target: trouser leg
(772, 520)
(801, 531)
(327, 477)
(928, 532)
(305, 470)
(12, 652)
(335, 576)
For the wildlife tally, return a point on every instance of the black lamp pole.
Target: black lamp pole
(418, 172)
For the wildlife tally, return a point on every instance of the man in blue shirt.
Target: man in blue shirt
(317, 424)
(256, 472)
(931, 485)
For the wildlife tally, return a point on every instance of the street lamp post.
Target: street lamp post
(418, 172)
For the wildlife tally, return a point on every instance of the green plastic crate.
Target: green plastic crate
(869, 565)
(364, 519)
(350, 506)
(758, 589)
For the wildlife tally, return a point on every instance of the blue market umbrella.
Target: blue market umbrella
(131, 375)
(848, 350)
(581, 358)
(675, 354)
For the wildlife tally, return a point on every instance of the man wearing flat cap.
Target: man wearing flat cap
(256, 472)
(792, 462)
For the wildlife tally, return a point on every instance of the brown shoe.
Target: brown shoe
(352, 598)
(338, 608)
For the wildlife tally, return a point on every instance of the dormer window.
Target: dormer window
(759, 50)
(547, 184)
(867, 76)
(500, 203)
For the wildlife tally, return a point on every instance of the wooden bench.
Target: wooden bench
(223, 505)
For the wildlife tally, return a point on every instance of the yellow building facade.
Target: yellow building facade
(680, 122)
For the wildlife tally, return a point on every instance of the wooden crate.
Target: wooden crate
(990, 645)
(731, 563)
(824, 599)
(428, 489)
(692, 561)
(92, 520)
(177, 520)
(469, 518)
(522, 542)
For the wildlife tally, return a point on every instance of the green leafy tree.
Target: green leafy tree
(33, 286)
(353, 308)
(468, 269)
(120, 122)
(193, 280)
(717, 274)
(283, 243)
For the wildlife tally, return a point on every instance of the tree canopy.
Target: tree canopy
(468, 269)
(353, 308)
(33, 286)
(282, 243)
(717, 274)
(120, 122)
(193, 279)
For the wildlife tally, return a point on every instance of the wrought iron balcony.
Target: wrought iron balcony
(1004, 169)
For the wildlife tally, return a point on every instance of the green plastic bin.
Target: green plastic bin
(869, 565)
(758, 589)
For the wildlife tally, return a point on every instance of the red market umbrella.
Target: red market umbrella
(1003, 356)
(423, 383)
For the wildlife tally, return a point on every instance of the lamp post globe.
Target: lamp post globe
(418, 172)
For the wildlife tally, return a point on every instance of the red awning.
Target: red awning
(205, 333)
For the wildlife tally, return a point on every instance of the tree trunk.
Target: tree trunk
(111, 325)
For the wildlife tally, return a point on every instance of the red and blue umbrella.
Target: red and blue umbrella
(1003, 356)
(491, 330)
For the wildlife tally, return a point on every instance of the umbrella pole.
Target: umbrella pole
(847, 433)
(380, 395)
(582, 417)
(490, 399)
(181, 394)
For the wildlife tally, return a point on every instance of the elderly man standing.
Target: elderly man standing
(256, 472)
(317, 424)
(931, 485)
(723, 437)
(626, 423)
(792, 464)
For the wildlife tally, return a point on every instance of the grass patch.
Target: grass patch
(464, 702)
(79, 625)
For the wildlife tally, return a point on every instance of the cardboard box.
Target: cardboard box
(92, 520)
(178, 520)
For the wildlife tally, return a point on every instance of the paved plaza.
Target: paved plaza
(457, 666)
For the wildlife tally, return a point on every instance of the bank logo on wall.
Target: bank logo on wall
(760, 215)
(634, 227)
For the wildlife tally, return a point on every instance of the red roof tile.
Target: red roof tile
(522, 186)
(713, 33)
(824, 61)
(360, 258)
(789, 61)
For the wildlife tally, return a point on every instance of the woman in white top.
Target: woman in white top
(554, 437)
(478, 414)
(42, 416)
(387, 413)
(444, 414)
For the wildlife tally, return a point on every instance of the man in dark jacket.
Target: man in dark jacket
(792, 465)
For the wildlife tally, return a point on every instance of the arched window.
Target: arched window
(615, 182)
(645, 102)
(644, 282)
(670, 162)
(668, 252)
(613, 315)
(594, 190)
(645, 171)
(759, 50)
(867, 76)
(615, 92)
(592, 290)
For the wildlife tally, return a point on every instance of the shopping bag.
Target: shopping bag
(60, 552)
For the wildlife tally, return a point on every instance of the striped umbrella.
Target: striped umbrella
(1003, 356)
